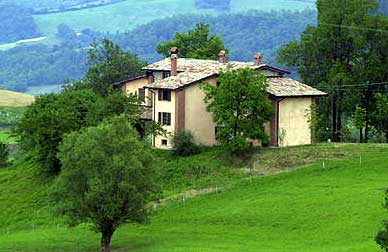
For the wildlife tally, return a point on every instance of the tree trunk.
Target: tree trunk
(339, 115)
(339, 125)
(361, 140)
(386, 136)
(105, 241)
(366, 138)
(334, 115)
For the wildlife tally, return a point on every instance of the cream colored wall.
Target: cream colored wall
(197, 119)
(132, 87)
(293, 121)
(168, 107)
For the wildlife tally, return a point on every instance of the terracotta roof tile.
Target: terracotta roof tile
(286, 87)
(194, 70)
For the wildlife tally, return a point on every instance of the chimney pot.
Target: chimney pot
(174, 50)
(222, 57)
(258, 59)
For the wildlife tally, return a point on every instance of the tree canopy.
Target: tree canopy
(196, 43)
(17, 23)
(107, 178)
(46, 121)
(240, 107)
(341, 55)
(107, 64)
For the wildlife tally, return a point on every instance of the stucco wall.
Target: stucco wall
(197, 119)
(132, 87)
(168, 107)
(293, 121)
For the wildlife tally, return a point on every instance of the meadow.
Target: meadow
(127, 15)
(14, 99)
(313, 198)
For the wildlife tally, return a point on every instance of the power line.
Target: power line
(354, 27)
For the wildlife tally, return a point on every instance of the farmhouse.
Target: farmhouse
(170, 91)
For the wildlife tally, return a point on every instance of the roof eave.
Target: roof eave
(119, 83)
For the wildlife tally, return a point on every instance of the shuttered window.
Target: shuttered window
(164, 118)
(142, 94)
(164, 95)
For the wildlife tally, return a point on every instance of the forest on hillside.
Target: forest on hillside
(17, 23)
(244, 34)
(49, 6)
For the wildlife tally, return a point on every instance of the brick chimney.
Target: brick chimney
(223, 57)
(174, 61)
(258, 59)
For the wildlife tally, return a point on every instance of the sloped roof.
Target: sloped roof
(286, 87)
(192, 71)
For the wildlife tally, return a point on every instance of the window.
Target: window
(164, 142)
(164, 95)
(141, 94)
(164, 118)
(166, 75)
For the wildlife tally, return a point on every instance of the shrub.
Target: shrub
(183, 144)
(4, 153)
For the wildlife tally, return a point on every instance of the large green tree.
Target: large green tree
(196, 43)
(380, 115)
(359, 118)
(4, 153)
(327, 53)
(107, 179)
(240, 107)
(370, 68)
(108, 63)
(46, 121)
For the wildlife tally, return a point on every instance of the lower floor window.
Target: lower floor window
(164, 142)
(164, 118)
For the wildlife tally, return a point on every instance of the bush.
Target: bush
(4, 153)
(183, 144)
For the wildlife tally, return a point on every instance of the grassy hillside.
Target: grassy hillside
(125, 16)
(121, 16)
(334, 208)
(14, 99)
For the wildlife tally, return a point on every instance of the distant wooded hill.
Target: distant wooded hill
(213, 4)
(244, 34)
(47, 4)
(17, 23)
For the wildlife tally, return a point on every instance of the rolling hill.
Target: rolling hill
(303, 206)
(129, 14)
(14, 99)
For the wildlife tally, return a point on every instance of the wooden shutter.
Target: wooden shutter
(169, 118)
(142, 94)
(160, 94)
(168, 95)
(160, 117)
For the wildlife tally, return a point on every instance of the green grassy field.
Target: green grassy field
(268, 5)
(127, 15)
(335, 208)
(121, 16)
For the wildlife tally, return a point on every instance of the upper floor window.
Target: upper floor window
(166, 75)
(141, 94)
(164, 95)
